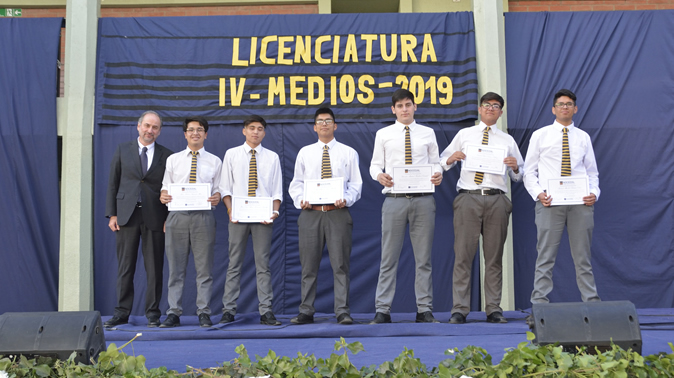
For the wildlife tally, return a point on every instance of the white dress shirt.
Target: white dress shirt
(343, 163)
(389, 149)
(473, 135)
(235, 171)
(149, 153)
(544, 158)
(179, 164)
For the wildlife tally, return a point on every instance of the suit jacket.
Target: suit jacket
(126, 181)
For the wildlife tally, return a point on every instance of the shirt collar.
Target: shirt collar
(330, 144)
(140, 146)
(200, 151)
(401, 126)
(257, 149)
(560, 127)
(483, 125)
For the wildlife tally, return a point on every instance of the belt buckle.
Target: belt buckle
(409, 195)
(483, 191)
(323, 209)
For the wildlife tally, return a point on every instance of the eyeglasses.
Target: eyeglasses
(195, 131)
(491, 106)
(328, 122)
(564, 105)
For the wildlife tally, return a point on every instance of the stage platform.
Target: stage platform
(191, 345)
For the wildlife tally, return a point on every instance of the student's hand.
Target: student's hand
(458, 155)
(214, 199)
(590, 200)
(165, 197)
(385, 179)
(545, 199)
(436, 179)
(512, 163)
(340, 203)
(305, 205)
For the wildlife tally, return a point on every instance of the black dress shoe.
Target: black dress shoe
(457, 318)
(269, 319)
(496, 317)
(380, 318)
(115, 321)
(302, 319)
(426, 317)
(172, 320)
(153, 322)
(227, 317)
(344, 318)
(205, 320)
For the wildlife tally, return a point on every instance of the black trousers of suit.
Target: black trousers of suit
(128, 238)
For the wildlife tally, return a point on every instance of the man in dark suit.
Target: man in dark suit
(135, 212)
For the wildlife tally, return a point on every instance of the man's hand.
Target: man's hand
(590, 200)
(436, 179)
(512, 163)
(340, 203)
(545, 199)
(305, 205)
(165, 197)
(113, 223)
(273, 217)
(385, 179)
(458, 155)
(214, 199)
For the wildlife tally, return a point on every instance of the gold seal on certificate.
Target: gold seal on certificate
(484, 158)
(189, 197)
(325, 191)
(568, 190)
(252, 209)
(412, 179)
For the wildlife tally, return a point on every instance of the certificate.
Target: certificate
(324, 191)
(189, 197)
(252, 209)
(568, 190)
(412, 179)
(484, 158)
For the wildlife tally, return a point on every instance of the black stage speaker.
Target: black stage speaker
(52, 334)
(591, 324)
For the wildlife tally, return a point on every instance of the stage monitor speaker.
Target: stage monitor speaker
(590, 324)
(52, 334)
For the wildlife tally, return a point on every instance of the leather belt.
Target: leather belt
(407, 195)
(324, 208)
(483, 192)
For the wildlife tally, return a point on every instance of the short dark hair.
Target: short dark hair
(564, 92)
(400, 95)
(255, 118)
(201, 120)
(324, 111)
(140, 120)
(489, 96)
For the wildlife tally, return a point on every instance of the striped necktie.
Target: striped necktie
(408, 146)
(193, 168)
(326, 171)
(566, 156)
(479, 176)
(252, 175)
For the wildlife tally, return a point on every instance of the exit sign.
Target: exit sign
(10, 12)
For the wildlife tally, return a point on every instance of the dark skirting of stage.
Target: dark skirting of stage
(191, 345)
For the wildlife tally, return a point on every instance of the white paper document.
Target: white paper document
(189, 197)
(324, 191)
(568, 190)
(486, 159)
(252, 209)
(412, 179)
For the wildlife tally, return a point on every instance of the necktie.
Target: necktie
(252, 175)
(143, 167)
(326, 171)
(193, 168)
(479, 176)
(408, 146)
(566, 156)
(143, 160)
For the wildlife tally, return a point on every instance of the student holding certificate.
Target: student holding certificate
(405, 143)
(561, 153)
(191, 168)
(482, 206)
(328, 221)
(251, 173)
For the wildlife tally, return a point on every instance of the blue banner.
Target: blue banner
(284, 67)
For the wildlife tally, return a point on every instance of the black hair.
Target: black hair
(324, 111)
(400, 95)
(255, 118)
(564, 92)
(492, 96)
(201, 120)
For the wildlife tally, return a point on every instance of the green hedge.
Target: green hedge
(526, 360)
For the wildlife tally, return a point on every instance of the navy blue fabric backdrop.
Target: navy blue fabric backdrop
(173, 65)
(619, 66)
(29, 209)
